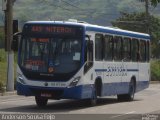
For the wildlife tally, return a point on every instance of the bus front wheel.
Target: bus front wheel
(41, 101)
(93, 100)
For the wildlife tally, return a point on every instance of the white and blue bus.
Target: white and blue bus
(76, 60)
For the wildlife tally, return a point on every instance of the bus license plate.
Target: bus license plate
(46, 95)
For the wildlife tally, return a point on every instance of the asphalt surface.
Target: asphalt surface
(146, 106)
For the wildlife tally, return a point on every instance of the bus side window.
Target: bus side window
(147, 51)
(117, 48)
(134, 49)
(126, 52)
(108, 47)
(99, 47)
(142, 50)
(88, 55)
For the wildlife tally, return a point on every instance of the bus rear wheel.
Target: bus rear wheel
(41, 101)
(130, 95)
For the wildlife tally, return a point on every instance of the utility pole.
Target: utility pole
(8, 39)
(147, 16)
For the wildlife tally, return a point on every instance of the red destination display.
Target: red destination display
(53, 29)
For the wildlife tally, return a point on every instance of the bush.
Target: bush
(155, 70)
(3, 55)
(1, 87)
(1, 38)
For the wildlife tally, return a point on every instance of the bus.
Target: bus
(78, 60)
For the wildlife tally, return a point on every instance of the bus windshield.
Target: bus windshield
(50, 55)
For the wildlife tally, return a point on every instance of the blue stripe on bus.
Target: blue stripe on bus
(106, 70)
(132, 70)
(85, 91)
(115, 32)
(101, 70)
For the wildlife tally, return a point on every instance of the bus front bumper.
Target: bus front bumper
(77, 92)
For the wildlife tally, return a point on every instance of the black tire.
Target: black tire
(130, 95)
(121, 98)
(41, 101)
(93, 100)
(132, 90)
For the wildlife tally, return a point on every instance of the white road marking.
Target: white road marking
(130, 112)
(123, 114)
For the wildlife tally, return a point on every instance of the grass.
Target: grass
(3, 73)
(3, 68)
(155, 70)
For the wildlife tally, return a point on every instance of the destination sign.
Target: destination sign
(43, 40)
(52, 29)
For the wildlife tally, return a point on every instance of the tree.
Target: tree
(136, 22)
(147, 14)
(153, 2)
(149, 25)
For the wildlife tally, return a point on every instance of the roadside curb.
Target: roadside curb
(8, 93)
(154, 82)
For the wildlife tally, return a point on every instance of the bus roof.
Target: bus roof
(97, 28)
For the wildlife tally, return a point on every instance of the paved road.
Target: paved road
(146, 105)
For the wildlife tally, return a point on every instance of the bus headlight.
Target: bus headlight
(20, 79)
(75, 81)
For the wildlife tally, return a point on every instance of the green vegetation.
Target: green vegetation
(3, 69)
(3, 74)
(3, 63)
(1, 37)
(153, 2)
(155, 70)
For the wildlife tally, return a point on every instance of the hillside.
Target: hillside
(100, 12)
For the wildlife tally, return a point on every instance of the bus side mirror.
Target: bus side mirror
(88, 54)
(89, 43)
(90, 46)
(15, 42)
